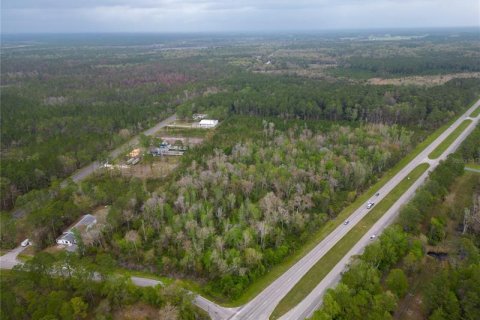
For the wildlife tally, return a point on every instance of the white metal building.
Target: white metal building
(208, 123)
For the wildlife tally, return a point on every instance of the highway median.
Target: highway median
(440, 149)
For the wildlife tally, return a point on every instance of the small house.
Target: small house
(208, 123)
(67, 239)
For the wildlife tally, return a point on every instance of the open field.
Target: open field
(434, 80)
(325, 264)
(159, 168)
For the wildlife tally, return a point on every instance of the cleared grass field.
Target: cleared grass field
(449, 140)
(328, 261)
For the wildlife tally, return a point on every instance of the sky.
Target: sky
(76, 16)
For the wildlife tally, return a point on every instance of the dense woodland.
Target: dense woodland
(398, 262)
(62, 110)
(296, 98)
(402, 66)
(36, 291)
(246, 200)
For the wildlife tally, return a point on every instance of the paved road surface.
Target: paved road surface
(314, 299)
(8, 260)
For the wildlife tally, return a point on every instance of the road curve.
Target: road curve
(306, 308)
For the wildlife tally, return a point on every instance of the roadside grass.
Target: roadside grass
(27, 254)
(475, 113)
(260, 284)
(24, 257)
(313, 277)
(449, 140)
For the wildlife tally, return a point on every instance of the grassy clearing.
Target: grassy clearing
(475, 113)
(328, 261)
(449, 140)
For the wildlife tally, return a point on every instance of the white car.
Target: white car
(25, 242)
(346, 222)
(373, 236)
(369, 205)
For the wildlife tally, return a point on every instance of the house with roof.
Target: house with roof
(84, 224)
(67, 238)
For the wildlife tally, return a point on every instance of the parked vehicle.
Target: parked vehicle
(25, 242)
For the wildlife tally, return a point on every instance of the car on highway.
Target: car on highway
(373, 236)
(25, 243)
(346, 222)
(377, 194)
(370, 204)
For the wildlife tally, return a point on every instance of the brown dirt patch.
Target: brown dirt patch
(158, 169)
(423, 80)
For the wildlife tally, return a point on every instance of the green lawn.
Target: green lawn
(475, 113)
(328, 261)
(449, 140)
(255, 288)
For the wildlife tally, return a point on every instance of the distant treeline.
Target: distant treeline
(428, 63)
(297, 98)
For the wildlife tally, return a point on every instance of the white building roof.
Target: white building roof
(86, 220)
(208, 122)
